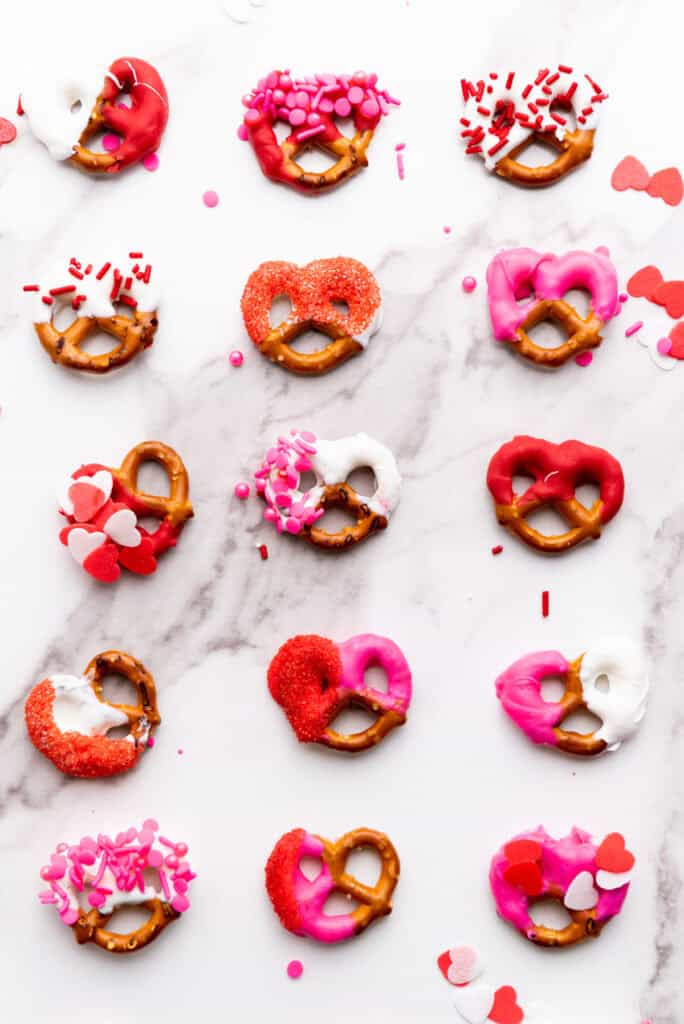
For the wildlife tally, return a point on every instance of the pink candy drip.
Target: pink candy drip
(365, 650)
(278, 478)
(125, 858)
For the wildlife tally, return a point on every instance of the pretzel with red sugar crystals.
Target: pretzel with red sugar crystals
(94, 292)
(309, 106)
(557, 470)
(68, 718)
(90, 880)
(502, 118)
(102, 506)
(312, 291)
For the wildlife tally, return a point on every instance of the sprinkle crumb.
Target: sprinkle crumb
(263, 551)
(633, 328)
(497, 550)
(545, 603)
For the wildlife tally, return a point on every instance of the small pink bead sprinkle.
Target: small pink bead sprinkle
(242, 490)
(181, 849)
(155, 858)
(70, 916)
(306, 435)
(342, 107)
(110, 142)
(151, 162)
(95, 899)
(242, 132)
(171, 861)
(295, 969)
(297, 117)
(664, 346)
(623, 296)
(236, 357)
(151, 823)
(355, 94)
(469, 284)
(180, 902)
(293, 525)
(584, 358)
(210, 198)
(446, 229)
(252, 116)
(180, 750)
(634, 328)
(150, 742)
(302, 98)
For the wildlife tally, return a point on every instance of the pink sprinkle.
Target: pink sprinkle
(236, 357)
(469, 284)
(342, 107)
(584, 358)
(95, 899)
(623, 296)
(70, 916)
(355, 94)
(400, 166)
(110, 142)
(634, 328)
(399, 146)
(151, 823)
(664, 346)
(150, 742)
(242, 132)
(295, 969)
(155, 858)
(180, 750)
(297, 117)
(210, 198)
(308, 133)
(446, 229)
(180, 903)
(241, 490)
(151, 162)
(293, 525)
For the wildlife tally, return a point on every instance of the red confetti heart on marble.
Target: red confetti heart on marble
(103, 563)
(526, 876)
(677, 339)
(522, 850)
(667, 185)
(630, 173)
(505, 1009)
(643, 284)
(612, 855)
(670, 294)
(139, 560)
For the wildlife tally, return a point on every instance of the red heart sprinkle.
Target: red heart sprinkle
(102, 563)
(526, 876)
(643, 284)
(139, 560)
(670, 294)
(677, 339)
(505, 1009)
(613, 856)
(630, 173)
(86, 499)
(522, 850)
(667, 185)
(444, 963)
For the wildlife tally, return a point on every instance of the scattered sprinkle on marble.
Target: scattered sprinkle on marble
(446, 229)
(151, 162)
(633, 328)
(263, 551)
(110, 142)
(664, 346)
(584, 358)
(236, 357)
(545, 603)
(150, 742)
(401, 170)
(210, 198)
(241, 490)
(498, 549)
(295, 969)
(469, 284)
(180, 750)
(8, 132)
(623, 296)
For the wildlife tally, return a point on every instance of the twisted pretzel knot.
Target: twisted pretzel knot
(350, 157)
(574, 148)
(582, 333)
(172, 510)
(583, 923)
(573, 700)
(90, 927)
(140, 716)
(376, 731)
(374, 901)
(345, 497)
(133, 334)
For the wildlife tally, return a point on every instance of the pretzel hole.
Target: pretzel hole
(118, 690)
(602, 683)
(341, 305)
(280, 311)
(547, 333)
(96, 142)
(128, 919)
(550, 913)
(339, 903)
(552, 689)
(587, 494)
(547, 521)
(153, 479)
(63, 314)
(363, 480)
(580, 299)
(307, 481)
(309, 342)
(98, 343)
(522, 482)
(353, 720)
(365, 865)
(311, 867)
(375, 678)
(335, 519)
(315, 160)
(582, 722)
(538, 153)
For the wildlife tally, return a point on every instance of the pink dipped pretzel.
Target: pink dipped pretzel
(314, 679)
(589, 879)
(299, 902)
(544, 279)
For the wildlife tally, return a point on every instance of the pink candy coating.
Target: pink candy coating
(519, 690)
(210, 198)
(241, 490)
(468, 284)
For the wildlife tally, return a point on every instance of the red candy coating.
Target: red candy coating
(142, 124)
(280, 870)
(303, 678)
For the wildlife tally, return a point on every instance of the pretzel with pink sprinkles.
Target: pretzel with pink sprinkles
(309, 106)
(90, 880)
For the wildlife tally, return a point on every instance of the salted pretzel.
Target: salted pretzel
(89, 881)
(55, 109)
(503, 117)
(309, 106)
(589, 879)
(102, 506)
(299, 902)
(620, 707)
(68, 718)
(314, 679)
(544, 279)
(297, 512)
(557, 471)
(312, 291)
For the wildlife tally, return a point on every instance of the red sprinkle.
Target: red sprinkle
(88, 268)
(47, 300)
(135, 255)
(31, 288)
(76, 273)
(128, 283)
(128, 300)
(20, 109)
(565, 69)
(263, 551)
(102, 271)
(498, 549)
(64, 290)
(509, 80)
(545, 603)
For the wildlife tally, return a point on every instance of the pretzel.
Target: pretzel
(299, 902)
(557, 470)
(312, 291)
(53, 111)
(95, 295)
(102, 506)
(501, 119)
(621, 707)
(310, 106)
(89, 881)
(68, 718)
(314, 680)
(590, 880)
(296, 512)
(518, 273)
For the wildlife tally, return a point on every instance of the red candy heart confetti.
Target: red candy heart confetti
(630, 173)
(102, 563)
(506, 1009)
(140, 559)
(613, 856)
(670, 294)
(526, 876)
(521, 850)
(459, 965)
(667, 185)
(8, 132)
(677, 339)
(643, 284)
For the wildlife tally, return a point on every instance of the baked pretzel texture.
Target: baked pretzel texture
(299, 902)
(609, 680)
(102, 506)
(309, 106)
(90, 880)
(68, 718)
(557, 470)
(313, 291)
(503, 117)
(543, 280)
(314, 680)
(590, 880)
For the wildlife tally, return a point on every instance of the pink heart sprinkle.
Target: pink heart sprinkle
(584, 358)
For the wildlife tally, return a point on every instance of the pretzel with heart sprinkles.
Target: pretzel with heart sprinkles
(90, 880)
(294, 511)
(102, 506)
(502, 118)
(68, 718)
(54, 111)
(312, 291)
(309, 106)
(557, 470)
(299, 902)
(620, 707)
(590, 879)
(544, 279)
(314, 679)
(93, 291)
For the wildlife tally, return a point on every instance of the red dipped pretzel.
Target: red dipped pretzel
(557, 471)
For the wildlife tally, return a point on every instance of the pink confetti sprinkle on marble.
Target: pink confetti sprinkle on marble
(236, 357)
(446, 229)
(401, 170)
(210, 198)
(664, 346)
(633, 328)
(151, 162)
(110, 143)
(295, 969)
(241, 490)
(623, 296)
(469, 284)
(584, 358)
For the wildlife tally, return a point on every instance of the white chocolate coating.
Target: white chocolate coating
(97, 293)
(335, 460)
(48, 105)
(76, 708)
(622, 707)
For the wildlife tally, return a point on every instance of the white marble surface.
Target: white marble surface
(459, 779)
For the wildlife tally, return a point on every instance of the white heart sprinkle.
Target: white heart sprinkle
(465, 965)
(613, 879)
(81, 543)
(474, 1002)
(581, 894)
(102, 481)
(121, 528)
